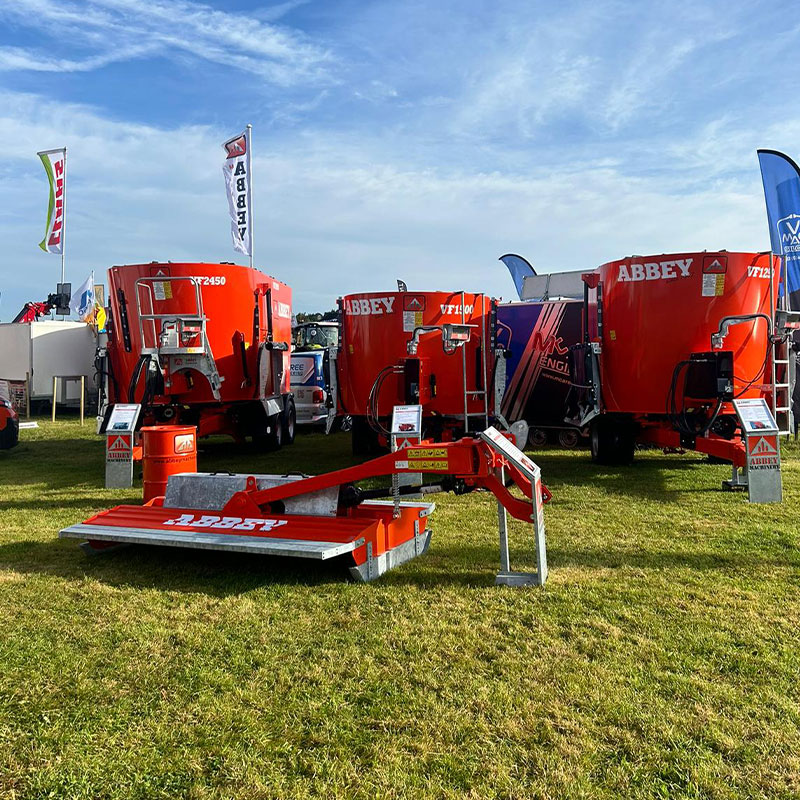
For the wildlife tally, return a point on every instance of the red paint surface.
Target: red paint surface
(651, 325)
(373, 341)
(229, 295)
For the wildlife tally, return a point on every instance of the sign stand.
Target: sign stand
(507, 576)
(119, 445)
(406, 430)
(762, 474)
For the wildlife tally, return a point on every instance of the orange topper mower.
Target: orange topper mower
(328, 516)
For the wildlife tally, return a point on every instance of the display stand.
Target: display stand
(119, 445)
(762, 473)
(406, 430)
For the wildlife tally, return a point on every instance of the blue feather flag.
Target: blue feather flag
(781, 179)
(519, 269)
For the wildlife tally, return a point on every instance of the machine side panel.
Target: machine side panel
(537, 337)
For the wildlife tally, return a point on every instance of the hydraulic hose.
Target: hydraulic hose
(372, 405)
(137, 374)
(678, 418)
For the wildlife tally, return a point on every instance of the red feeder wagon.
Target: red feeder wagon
(669, 342)
(435, 349)
(202, 344)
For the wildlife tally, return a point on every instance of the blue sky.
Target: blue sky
(414, 140)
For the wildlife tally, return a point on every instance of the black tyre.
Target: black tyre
(364, 439)
(612, 441)
(9, 436)
(537, 437)
(568, 439)
(270, 437)
(289, 423)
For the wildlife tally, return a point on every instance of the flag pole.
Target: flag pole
(250, 187)
(64, 217)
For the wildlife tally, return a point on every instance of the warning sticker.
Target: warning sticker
(411, 320)
(715, 264)
(118, 448)
(162, 290)
(429, 452)
(713, 284)
(421, 464)
(413, 302)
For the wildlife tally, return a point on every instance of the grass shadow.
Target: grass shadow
(213, 573)
(220, 574)
(648, 478)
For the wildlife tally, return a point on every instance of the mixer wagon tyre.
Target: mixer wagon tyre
(273, 440)
(612, 441)
(364, 439)
(289, 422)
(275, 436)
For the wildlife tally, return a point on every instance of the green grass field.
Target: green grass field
(661, 659)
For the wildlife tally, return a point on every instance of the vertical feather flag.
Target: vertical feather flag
(55, 165)
(781, 178)
(238, 183)
(519, 269)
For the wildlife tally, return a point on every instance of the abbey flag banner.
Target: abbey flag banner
(82, 303)
(55, 165)
(781, 179)
(237, 171)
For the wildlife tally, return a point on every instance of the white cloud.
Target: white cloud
(17, 58)
(336, 215)
(118, 30)
(375, 92)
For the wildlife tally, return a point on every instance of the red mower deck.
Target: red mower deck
(327, 516)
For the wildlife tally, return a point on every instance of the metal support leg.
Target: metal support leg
(737, 482)
(507, 576)
(502, 524)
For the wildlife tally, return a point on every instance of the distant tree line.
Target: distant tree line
(326, 316)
